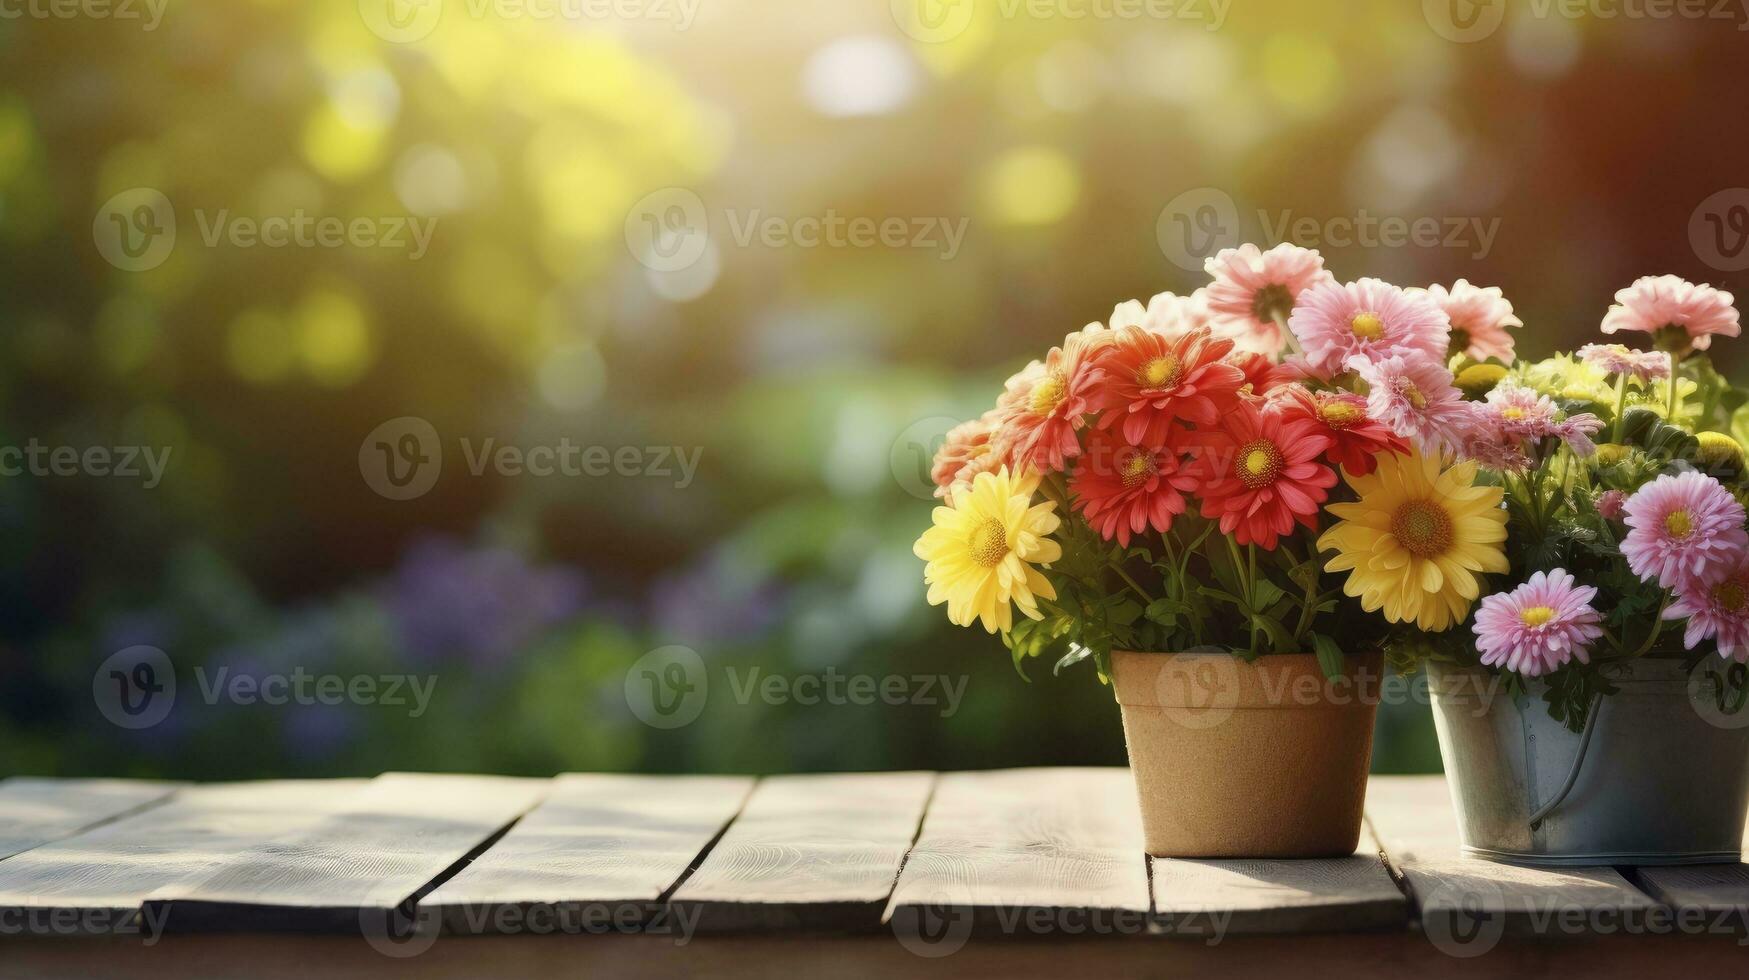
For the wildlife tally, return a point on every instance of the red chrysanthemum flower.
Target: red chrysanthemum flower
(1047, 403)
(1262, 474)
(1123, 489)
(1152, 381)
(1356, 438)
(1263, 375)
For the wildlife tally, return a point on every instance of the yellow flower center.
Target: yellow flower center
(1512, 414)
(1423, 527)
(1161, 372)
(1049, 393)
(1679, 523)
(1416, 398)
(1535, 616)
(1367, 326)
(1718, 449)
(989, 544)
(1259, 464)
(1340, 415)
(1137, 468)
(1730, 595)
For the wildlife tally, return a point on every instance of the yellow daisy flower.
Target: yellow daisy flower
(981, 551)
(1415, 539)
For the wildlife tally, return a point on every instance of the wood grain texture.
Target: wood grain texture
(36, 811)
(1413, 820)
(1710, 889)
(1253, 897)
(599, 844)
(96, 881)
(354, 868)
(809, 852)
(1027, 851)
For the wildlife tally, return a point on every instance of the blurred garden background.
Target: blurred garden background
(1087, 155)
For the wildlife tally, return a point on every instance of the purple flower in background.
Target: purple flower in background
(714, 601)
(316, 732)
(480, 604)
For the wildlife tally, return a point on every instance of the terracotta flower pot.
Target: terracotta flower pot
(1236, 759)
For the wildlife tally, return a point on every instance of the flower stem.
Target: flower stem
(1657, 627)
(1293, 344)
(1251, 578)
(1621, 405)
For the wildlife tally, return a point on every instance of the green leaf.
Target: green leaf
(1329, 655)
(1267, 594)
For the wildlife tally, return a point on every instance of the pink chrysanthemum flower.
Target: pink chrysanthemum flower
(1521, 414)
(1683, 529)
(1719, 611)
(1166, 314)
(1414, 397)
(1254, 292)
(1480, 317)
(1612, 504)
(1645, 365)
(1044, 405)
(1539, 626)
(1369, 319)
(970, 448)
(1677, 313)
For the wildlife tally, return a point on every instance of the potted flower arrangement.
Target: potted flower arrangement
(1622, 628)
(1226, 502)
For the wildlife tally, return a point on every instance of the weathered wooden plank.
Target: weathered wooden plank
(809, 852)
(36, 811)
(1714, 894)
(95, 882)
(600, 848)
(1026, 851)
(1467, 901)
(1216, 898)
(355, 868)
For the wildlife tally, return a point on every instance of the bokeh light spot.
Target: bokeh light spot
(1034, 185)
(334, 338)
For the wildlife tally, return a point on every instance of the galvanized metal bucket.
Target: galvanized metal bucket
(1659, 776)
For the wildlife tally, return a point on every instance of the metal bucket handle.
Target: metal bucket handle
(1542, 813)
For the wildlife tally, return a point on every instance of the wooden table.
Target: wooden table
(968, 873)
